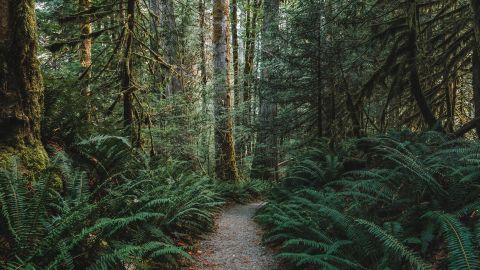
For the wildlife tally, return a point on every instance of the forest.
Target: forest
(239, 134)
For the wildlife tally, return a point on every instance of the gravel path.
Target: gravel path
(236, 244)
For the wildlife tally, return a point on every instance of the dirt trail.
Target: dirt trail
(236, 244)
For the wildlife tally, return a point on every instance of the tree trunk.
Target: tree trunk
(250, 40)
(128, 86)
(264, 165)
(203, 65)
(415, 86)
(21, 86)
(247, 68)
(155, 45)
(86, 58)
(452, 97)
(203, 69)
(476, 85)
(168, 28)
(356, 129)
(252, 8)
(236, 67)
(475, 5)
(331, 113)
(319, 73)
(448, 104)
(226, 166)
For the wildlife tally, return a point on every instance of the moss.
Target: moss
(6, 157)
(32, 159)
(57, 181)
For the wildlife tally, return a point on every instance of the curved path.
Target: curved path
(236, 244)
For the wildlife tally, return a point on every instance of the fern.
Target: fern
(463, 254)
(394, 244)
(324, 200)
(133, 214)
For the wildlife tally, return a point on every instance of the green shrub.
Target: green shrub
(129, 212)
(244, 191)
(402, 201)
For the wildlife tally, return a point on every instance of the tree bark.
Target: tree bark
(204, 80)
(466, 128)
(356, 129)
(86, 58)
(236, 66)
(226, 166)
(319, 80)
(476, 85)
(168, 27)
(448, 104)
(331, 113)
(475, 6)
(415, 86)
(21, 86)
(250, 37)
(155, 45)
(265, 161)
(127, 83)
(252, 8)
(203, 65)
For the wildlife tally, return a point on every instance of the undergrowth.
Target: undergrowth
(111, 208)
(401, 201)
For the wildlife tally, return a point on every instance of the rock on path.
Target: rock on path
(236, 244)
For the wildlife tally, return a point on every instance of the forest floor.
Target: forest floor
(236, 243)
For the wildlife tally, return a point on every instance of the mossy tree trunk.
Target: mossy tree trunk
(226, 165)
(86, 57)
(235, 47)
(127, 82)
(252, 8)
(236, 72)
(203, 69)
(155, 45)
(21, 86)
(203, 57)
(250, 41)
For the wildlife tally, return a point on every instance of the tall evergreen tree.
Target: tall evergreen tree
(265, 162)
(226, 165)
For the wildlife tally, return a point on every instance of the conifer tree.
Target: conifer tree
(226, 165)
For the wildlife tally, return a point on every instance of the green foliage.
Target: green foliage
(245, 190)
(401, 201)
(130, 211)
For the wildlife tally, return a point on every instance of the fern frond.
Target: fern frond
(392, 243)
(459, 238)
